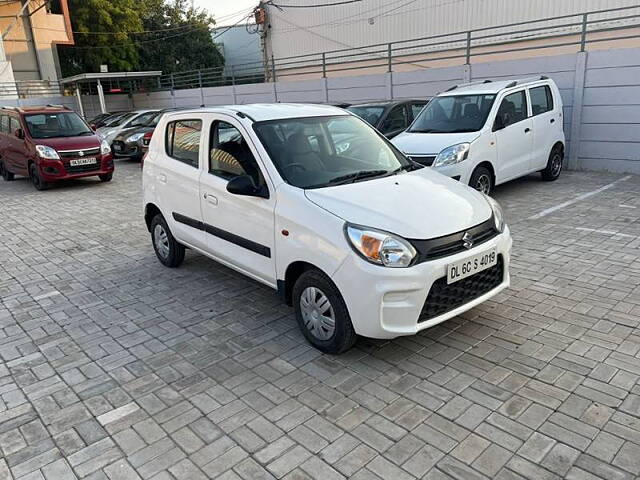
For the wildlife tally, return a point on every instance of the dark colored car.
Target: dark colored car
(49, 144)
(389, 117)
(99, 120)
(133, 142)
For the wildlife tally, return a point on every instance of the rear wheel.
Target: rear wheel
(106, 177)
(482, 180)
(36, 179)
(554, 165)
(4, 173)
(322, 314)
(168, 250)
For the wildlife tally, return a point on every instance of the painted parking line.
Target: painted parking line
(606, 232)
(579, 198)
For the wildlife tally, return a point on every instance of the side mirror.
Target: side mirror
(19, 133)
(93, 127)
(499, 123)
(245, 185)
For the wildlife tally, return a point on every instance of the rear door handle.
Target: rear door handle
(527, 130)
(211, 199)
(162, 178)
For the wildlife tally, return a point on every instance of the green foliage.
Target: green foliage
(178, 37)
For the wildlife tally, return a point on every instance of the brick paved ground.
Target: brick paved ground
(114, 367)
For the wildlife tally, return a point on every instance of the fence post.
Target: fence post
(389, 58)
(468, 48)
(233, 85)
(173, 94)
(201, 91)
(576, 110)
(273, 69)
(583, 33)
(324, 65)
(233, 75)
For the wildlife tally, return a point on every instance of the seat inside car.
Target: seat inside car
(301, 152)
(471, 111)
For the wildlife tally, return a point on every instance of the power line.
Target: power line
(344, 2)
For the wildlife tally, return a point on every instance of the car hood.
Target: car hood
(430, 143)
(108, 133)
(70, 143)
(418, 205)
(127, 132)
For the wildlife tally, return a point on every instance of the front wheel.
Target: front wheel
(482, 180)
(4, 173)
(168, 250)
(106, 177)
(322, 314)
(36, 179)
(554, 165)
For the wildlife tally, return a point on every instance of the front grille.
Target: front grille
(120, 148)
(426, 160)
(443, 298)
(452, 244)
(91, 152)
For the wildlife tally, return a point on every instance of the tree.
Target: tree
(90, 18)
(185, 40)
(167, 35)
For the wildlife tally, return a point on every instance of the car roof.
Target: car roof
(260, 112)
(386, 103)
(38, 109)
(491, 87)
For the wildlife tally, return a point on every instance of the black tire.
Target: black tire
(168, 250)
(107, 177)
(4, 173)
(482, 180)
(554, 165)
(343, 335)
(36, 179)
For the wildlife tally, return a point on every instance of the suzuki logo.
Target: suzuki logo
(81, 153)
(467, 240)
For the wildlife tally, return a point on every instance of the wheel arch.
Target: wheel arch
(150, 211)
(489, 166)
(292, 273)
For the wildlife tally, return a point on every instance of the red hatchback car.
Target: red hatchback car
(49, 144)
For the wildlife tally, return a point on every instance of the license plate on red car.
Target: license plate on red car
(77, 162)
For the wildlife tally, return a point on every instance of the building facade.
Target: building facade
(31, 29)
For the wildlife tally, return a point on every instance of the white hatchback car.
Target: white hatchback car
(312, 201)
(487, 133)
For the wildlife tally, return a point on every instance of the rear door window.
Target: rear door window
(541, 99)
(4, 124)
(183, 141)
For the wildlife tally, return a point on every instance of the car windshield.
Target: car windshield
(317, 152)
(143, 119)
(370, 114)
(453, 114)
(58, 124)
(117, 120)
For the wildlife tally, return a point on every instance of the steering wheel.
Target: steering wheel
(296, 165)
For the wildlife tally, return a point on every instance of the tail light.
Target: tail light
(146, 138)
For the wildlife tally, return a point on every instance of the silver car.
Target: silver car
(118, 123)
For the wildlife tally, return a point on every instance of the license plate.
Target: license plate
(83, 161)
(117, 147)
(471, 265)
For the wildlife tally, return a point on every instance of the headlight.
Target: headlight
(451, 155)
(105, 149)
(380, 247)
(498, 216)
(47, 152)
(134, 138)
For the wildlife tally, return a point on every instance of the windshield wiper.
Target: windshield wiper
(409, 167)
(426, 130)
(354, 176)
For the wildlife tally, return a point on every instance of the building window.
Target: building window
(54, 7)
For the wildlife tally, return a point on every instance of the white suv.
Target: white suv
(312, 201)
(488, 133)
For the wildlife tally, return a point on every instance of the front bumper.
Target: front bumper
(54, 170)
(387, 302)
(460, 171)
(122, 149)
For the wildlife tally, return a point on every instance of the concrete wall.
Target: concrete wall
(600, 92)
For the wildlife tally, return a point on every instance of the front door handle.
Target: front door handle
(211, 199)
(553, 120)
(162, 178)
(527, 130)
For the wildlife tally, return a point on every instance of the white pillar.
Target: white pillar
(103, 107)
(79, 97)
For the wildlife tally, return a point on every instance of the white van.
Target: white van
(487, 133)
(313, 202)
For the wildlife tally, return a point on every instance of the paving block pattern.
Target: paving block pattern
(113, 367)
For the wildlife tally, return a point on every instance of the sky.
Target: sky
(226, 11)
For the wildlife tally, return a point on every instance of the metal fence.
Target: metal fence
(30, 88)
